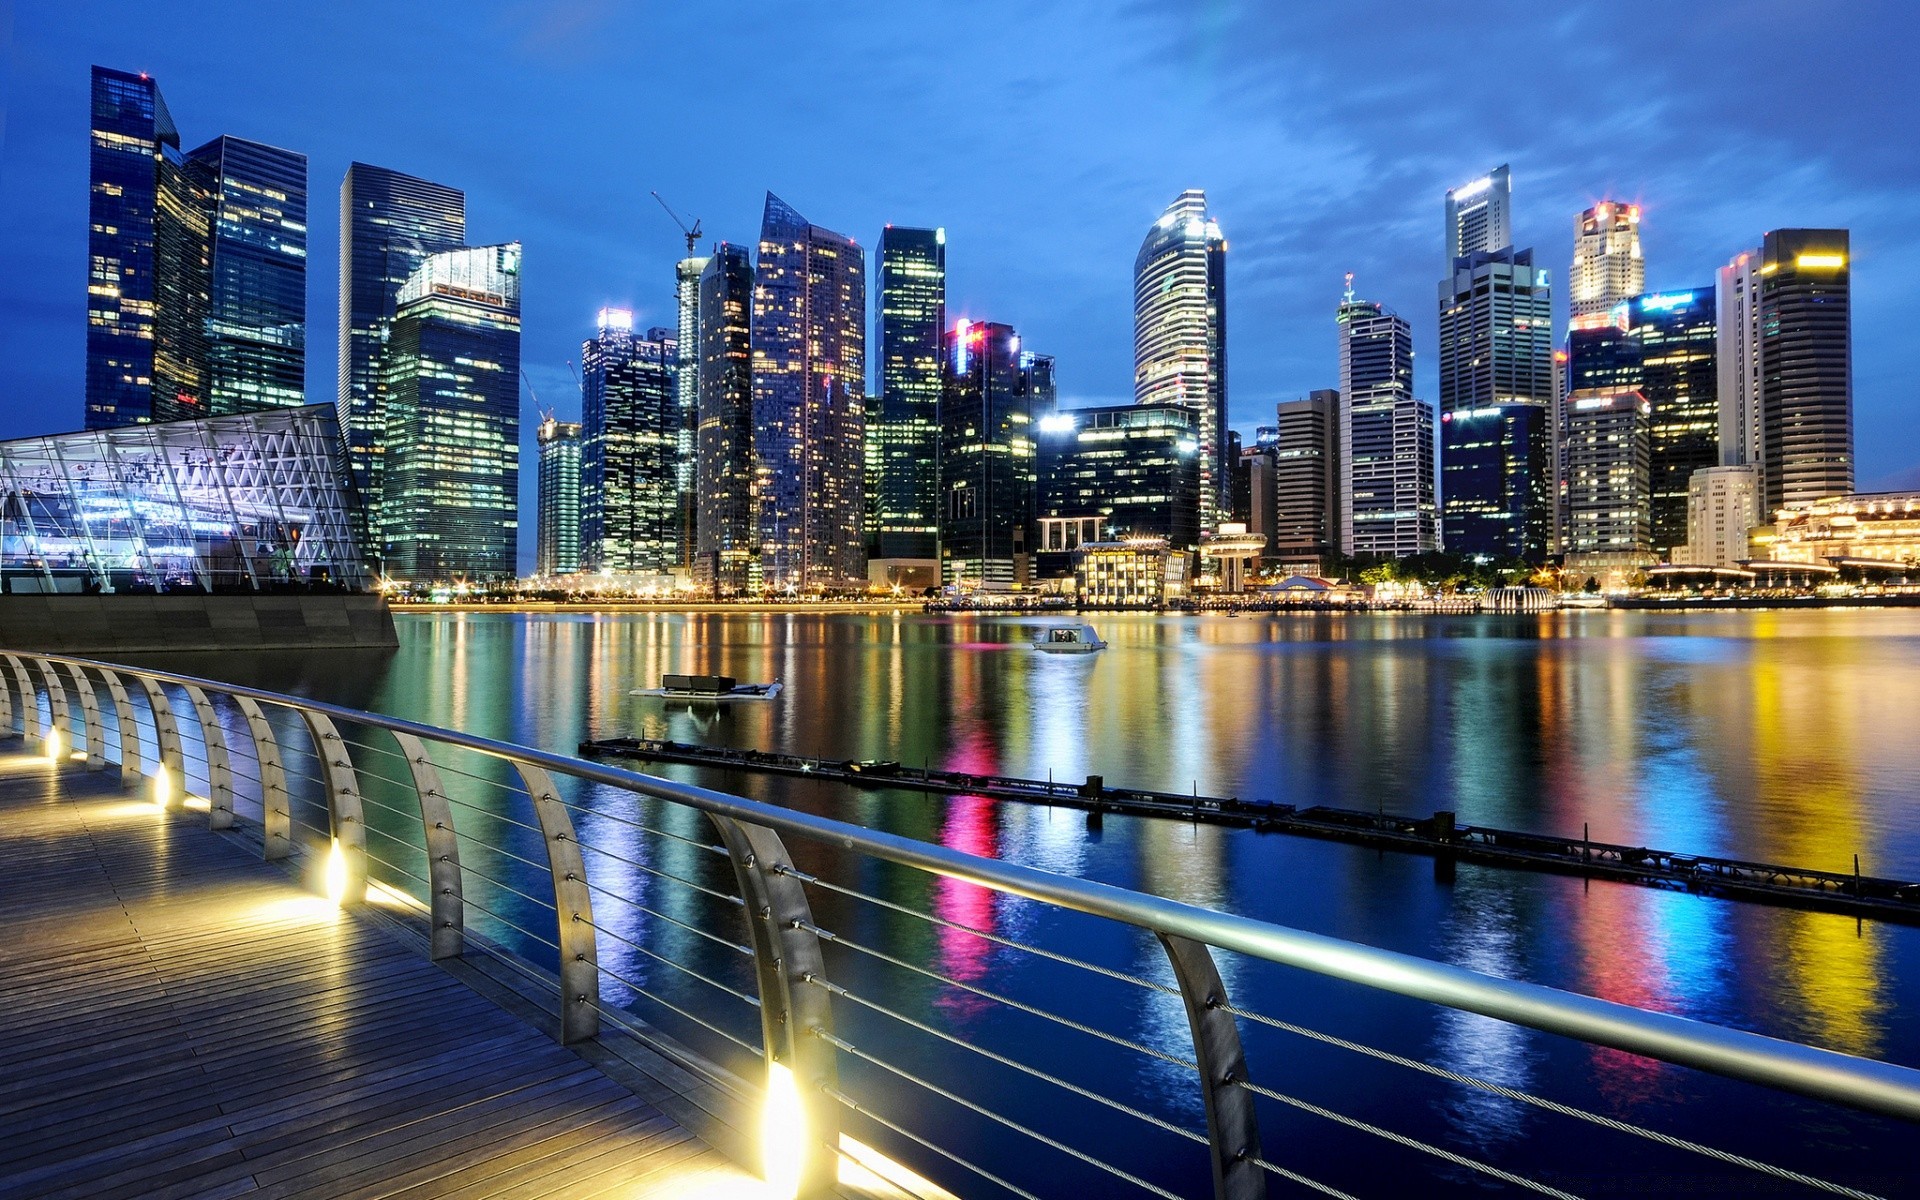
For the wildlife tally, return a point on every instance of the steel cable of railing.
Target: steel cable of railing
(681, 967)
(669, 1005)
(839, 1097)
(640, 866)
(603, 815)
(1295, 1177)
(715, 938)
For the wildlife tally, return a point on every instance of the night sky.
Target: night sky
(1044, 137)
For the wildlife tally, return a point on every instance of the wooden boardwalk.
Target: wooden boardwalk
(178, 1018)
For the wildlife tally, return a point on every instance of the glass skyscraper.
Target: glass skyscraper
(905, 471)
(256, 331)
(1386, 471)
(1806, 367)
(1180, 332)
(630, 452)
(450, 376)
(557, 533)
(726, 550)
(1676, 335)
(686, 392)
(809, 403)
(1115, 472)
(986, 456)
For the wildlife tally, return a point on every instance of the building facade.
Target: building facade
(630, 449)
(450, 378)
(1878, 531)
(1117, 472)
(1387, 494)
(256, 332)
(1497, 473)
(1676, 339)
(912, 323)
(1480, 214)
(986, 465)
(1723, 506)
(726, 550)
(1806, 367)
(1180, 332)
(1259, 462)
(1609, 476)
(809, 403)
(557, 540)
(1607, 265)
(1737, 359)
(1308, 473)
(686, 395)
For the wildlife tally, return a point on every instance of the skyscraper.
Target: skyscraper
(686, 392)
(986, 456)
(1607, 266)
(1307, 474)
(912, 322)
(1180, 332)
(809, 402)
(1114, 472)
(726, 531)
(1737, 359)
(132, 132)
(1480, 214)
(1387, 503)
(389, 224)
(1675, 337)
(1609, 488)
(1806, 367)
(450, 375)
(256, 331)
(557, 541)
(629, 459)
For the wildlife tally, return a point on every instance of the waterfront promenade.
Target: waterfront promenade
(179, 1018)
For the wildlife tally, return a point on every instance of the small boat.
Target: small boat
(709, 688)
(1070, 639)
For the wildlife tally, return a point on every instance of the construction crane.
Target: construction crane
(693, 235)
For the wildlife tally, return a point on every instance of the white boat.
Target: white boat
(709, 688)
(1070, 639)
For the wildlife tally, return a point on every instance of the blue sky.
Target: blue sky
(1044, 137)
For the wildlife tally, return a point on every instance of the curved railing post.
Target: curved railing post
(345, 818)
(129, 727)
(1232, 1128)
(213, 740)
(96, 733)
(276, 807)
(787, 961)
(6, 708)
(573, 905)
(29, 699)
(166, 737)
(445, 905)
(57, 720)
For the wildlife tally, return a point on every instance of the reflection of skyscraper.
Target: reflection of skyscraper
(1806, 367)
(912, 321)
(986, 455)
(809, 402)
(629, 463)
(724, 528)
(1180, 332)
(1386, 472)
(557, 544)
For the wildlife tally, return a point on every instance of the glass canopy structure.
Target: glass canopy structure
(252, 502)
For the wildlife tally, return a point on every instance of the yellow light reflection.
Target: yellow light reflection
(783, 1133)
(336, 873)
(162, 785)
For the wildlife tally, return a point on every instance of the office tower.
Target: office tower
(912, 322)
(1609, 487)
(1675, 336)
(450, 375)
(132, 133)
(1601, 352)
(1387, 501)
(256, 330)
(1239, 507)
(686, 395)
(1723, 504)
(1737, 359)
(1480, 215)
(557, 541)
(1116, 472)
(1307, 475)
(1607, 267)
(389, 224)
(1180, 333)
(629, 449)
(809, 403)
(1258, 462)
(986, 456)
(1806, 367)
(725, 529)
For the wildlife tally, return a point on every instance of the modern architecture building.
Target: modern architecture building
(1308, 474)
(557, 540)
(1806, 367)
(1609, 488)
(1607, 265)
(1480, 214)
(686, 395)
(726, 551)
(1387, 497)
(1180, 332)
(1675, 337)
(1117, 472)
(1723, 506)
(450, 378)
(1497, 468)
(196, 279)
(986, 456)
(904, 472)
(1134, 573)
(630, 449)
(250, 502)
(809, 403)
(1737, 359)
(389, 224)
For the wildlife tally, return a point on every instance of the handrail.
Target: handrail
(1831, 1075)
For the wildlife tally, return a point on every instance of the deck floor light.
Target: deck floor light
(783, 1133)
(162, 786)
(336, 873)
(53, 746)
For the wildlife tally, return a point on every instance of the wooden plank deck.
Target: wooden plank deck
(180, 1019)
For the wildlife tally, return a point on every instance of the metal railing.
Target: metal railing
(722, 937)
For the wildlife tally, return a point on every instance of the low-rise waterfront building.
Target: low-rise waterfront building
(1723, 505)
(1139, 572)
(1865, 532)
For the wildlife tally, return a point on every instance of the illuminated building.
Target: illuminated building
(1305, 496)
(1865, 531)
(1737, 359)
(1675, 337)
(1607, 266)
(389, 224)
(724, 528)
(1180, 332)
(1609, 487)
(450, 376)
(1723, 505)
(686, 395)
(906, 432)
(1237, 551)
(557, 538)
(196, 285)
(1117, 472)
(1258, 463)
(630, 449)
(809, 403)
(1497, 479)
(1806, 367)
(986, 456)
(1124, 574)
(1387, 504)
(1480, 214)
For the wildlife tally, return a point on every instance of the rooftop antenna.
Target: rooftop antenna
(1349, 295)
(693, 235)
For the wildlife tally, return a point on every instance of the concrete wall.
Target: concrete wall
(101, 623)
